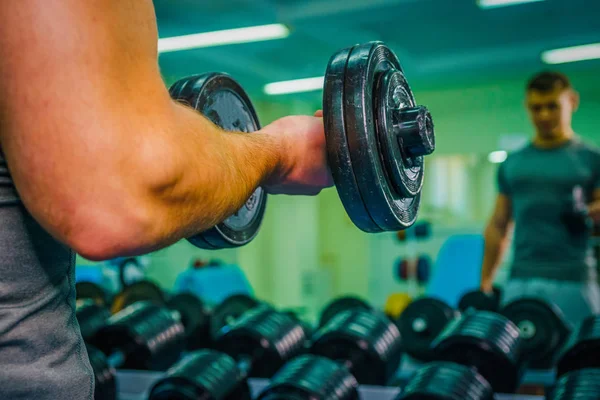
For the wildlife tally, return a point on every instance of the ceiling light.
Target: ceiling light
(572, 54)
(295, 86)
(503, 3)
(497, 157)
(219, 38)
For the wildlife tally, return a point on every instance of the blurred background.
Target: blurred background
(467, 61)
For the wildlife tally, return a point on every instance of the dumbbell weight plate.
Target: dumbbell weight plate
(342, 304)
(138, 291)
(446, 381)
(90, 290)
(420, 323)
(582, 349)
(194, 317)
(229, 310)
(583, 384)
(104, 375)
(222, 100)
(542, 327)
(338, 152)
(375, 155)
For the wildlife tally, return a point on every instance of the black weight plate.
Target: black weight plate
(420, 323)
(222, 100)
(91, 317)
(342, 304)
(479, 300)
(90, 290)
(338, 154)
(446, 381)
(389, 209)
(391, 94)
(542, 328)
(312, 377)
(194, 317)
(136, 292)
(583, 384)
(582, 349)
(229, 311)
(104, 375)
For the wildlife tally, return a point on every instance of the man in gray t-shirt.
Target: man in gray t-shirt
(549, 191)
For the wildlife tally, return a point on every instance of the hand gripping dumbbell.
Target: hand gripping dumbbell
(578, 367)
(256, 345)
(477, 355)
(376, 138)
(143, 336)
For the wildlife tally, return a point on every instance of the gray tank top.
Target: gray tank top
(42, 355)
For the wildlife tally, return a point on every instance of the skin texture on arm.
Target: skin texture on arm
(495, 236)
(101, 156)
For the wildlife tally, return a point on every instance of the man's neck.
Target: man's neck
(548, 143)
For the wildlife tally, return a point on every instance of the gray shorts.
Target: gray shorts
(577, 300)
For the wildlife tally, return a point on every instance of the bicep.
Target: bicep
(68, 69)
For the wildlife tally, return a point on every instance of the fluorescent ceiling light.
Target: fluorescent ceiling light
(219, 38)
(295, 86)
(503, 3)
(572, 54)
(496, 157)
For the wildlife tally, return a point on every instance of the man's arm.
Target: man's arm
(495, 241)
(100, 154)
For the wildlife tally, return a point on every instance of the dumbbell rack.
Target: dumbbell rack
(135, 385)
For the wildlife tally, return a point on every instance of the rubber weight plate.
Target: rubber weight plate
(581, 385)
(222, 100)
(446, 381)
(542, 328)
(312, 377)
(582, 349)
(420, 323)
(342, 304)
(338, 152)
(487, 342)
(229, 311)
(90, 290)
(137, 292)
(194, 317)
(386, 135)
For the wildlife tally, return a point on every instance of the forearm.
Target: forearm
(185, 176)
(494, 248)
(207, 174)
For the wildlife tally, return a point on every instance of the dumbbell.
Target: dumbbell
(365, 342)
(341, 304)
(543, 328)
(91, 317)
(376, 137)
(256, 345)
(89, 290)
(145, 336)
(477, 355)
(578, 366)
(481, 300)
(144, 290)
(420, 323)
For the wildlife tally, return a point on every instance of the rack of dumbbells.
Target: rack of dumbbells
(176, 347)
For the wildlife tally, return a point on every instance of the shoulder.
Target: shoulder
(517, 154)
(588, 151)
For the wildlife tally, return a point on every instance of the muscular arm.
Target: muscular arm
(495, 240)
(99, 153)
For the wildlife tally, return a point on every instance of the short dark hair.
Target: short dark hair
(547, 81)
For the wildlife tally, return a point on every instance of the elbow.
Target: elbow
(100, 236)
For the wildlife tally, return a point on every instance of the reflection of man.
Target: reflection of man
(540, 188)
